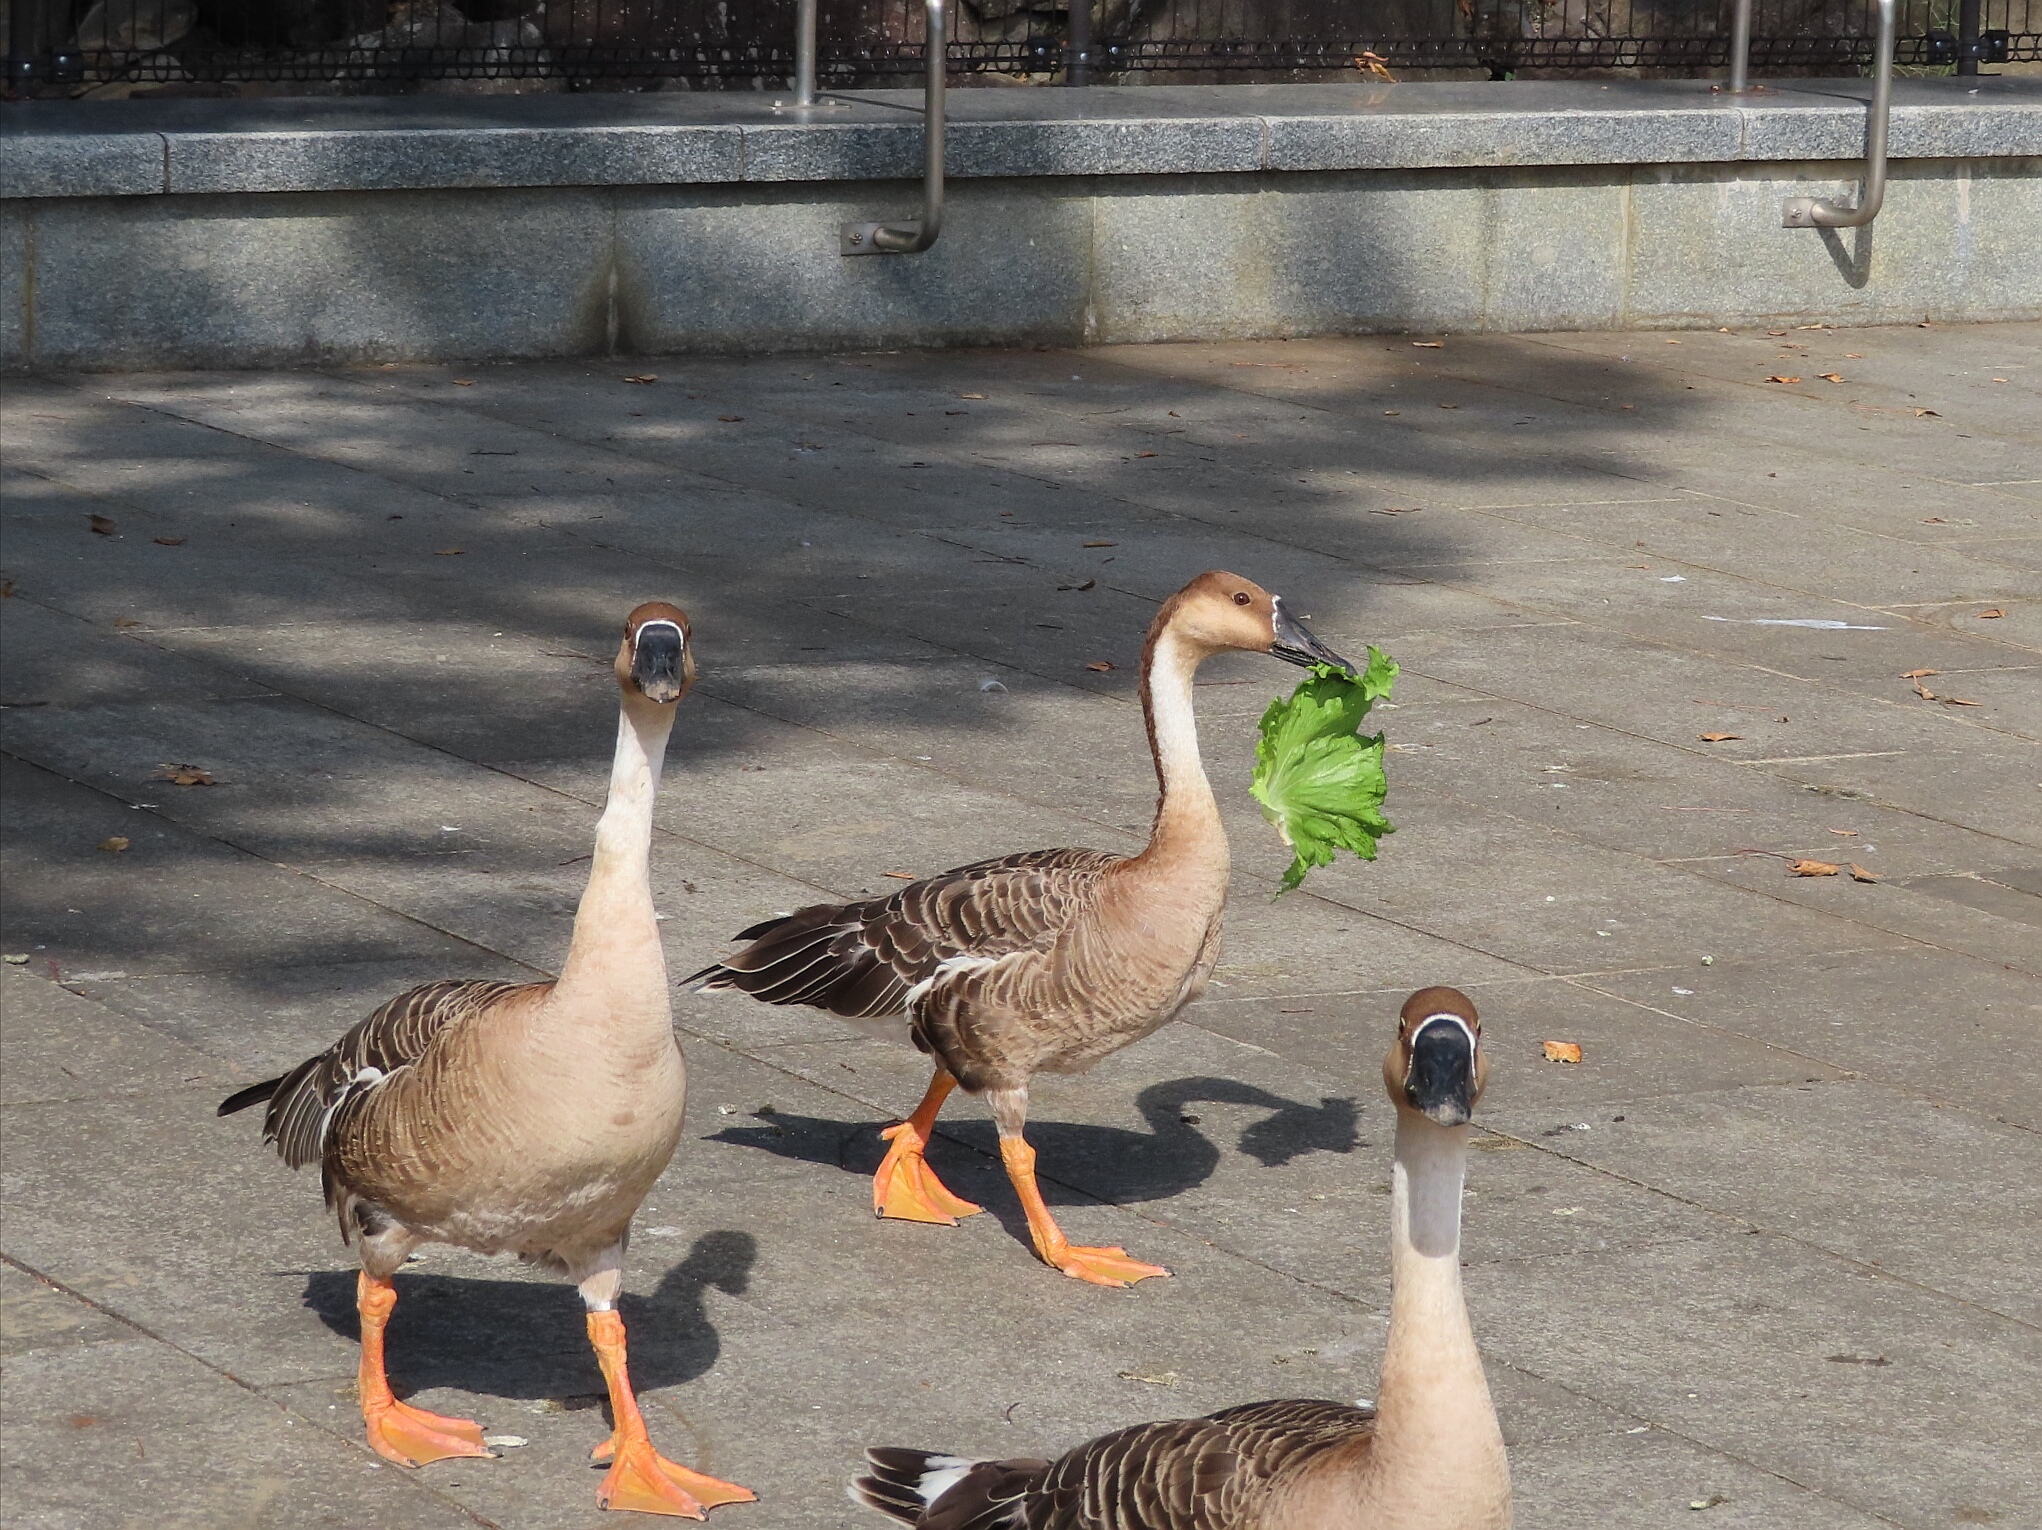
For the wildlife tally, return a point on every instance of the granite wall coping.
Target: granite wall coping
(153, 148)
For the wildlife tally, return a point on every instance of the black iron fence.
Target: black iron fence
(196, 47)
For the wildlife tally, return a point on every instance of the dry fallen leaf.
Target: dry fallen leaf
(643, 377)
(1813, 868)
(1926, 414)
(971, 395)
(1957, 701)
(103, 525)
(168, 541)
(1924, 692)
(1141, 454)
(464, 382)
(1776, 377)
(731, 419)
(1100, 544)
(1393, 413)
(1449, 406)
(183, 775)
(1429, 345)
(114, 842)
(899, 876)
(122, 623)
(448, 552)
(1101, 666)
(1845, 833)
(1374, 65)
(1830, 376)
(1719, 738)
(1917, 674)
(1991, 615)
(1088, 584)
(1562, 1051)
(1859, 874)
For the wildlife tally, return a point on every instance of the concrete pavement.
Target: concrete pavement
(1770, 1248)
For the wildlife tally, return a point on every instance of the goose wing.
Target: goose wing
(861, 959)
(306, 1102)
(1182, 1474)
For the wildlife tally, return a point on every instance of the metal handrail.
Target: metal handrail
(1740, 48)
(1812, 212)
(804, 52)
(913, 237)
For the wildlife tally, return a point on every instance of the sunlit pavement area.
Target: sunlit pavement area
(1673, 611)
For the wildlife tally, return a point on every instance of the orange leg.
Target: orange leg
(905, 1186)
(397, 1431)
(1101, 1266)
(640, 1477)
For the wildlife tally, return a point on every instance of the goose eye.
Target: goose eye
(1241, 598)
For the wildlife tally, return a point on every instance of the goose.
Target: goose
(1045, 961)
(528, 1118)
(1427, 1456)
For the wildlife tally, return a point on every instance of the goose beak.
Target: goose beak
(656, 661)
(1295, 644)
(1440, 1079)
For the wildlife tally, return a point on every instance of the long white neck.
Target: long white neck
(616, 951)
(1437, 1441)
(1186, 811)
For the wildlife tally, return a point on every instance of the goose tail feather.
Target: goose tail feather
(254, 1094)
(937, 1492)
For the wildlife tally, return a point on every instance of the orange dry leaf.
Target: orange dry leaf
(1957, 701)
(1138, 454)
(1926, 414)
(1775, 377)
(1719, 738)
(1562, 1051)
(899, 876)
(1992, 615)
(114, 842)
(1102, 666)
(1830, 376)
(1845, 833)
(1859, 874)
(1101, 544)
(1916, 674)
(464, 382)
(1813, 868)
(448, 552)
(1924, 692)
(731, 419)
(168, 541)
(102, 525)
(183, 775)
(1374, 64)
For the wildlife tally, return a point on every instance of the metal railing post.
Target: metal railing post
(24, 44)
(1079, 64)
(804, 52)
(1967, 36)
(1811, 212)
(1740, 47)
(911, 238)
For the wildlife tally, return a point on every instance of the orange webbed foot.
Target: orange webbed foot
(643, 1480)
(907, 1189)
(413, 1437)
(1101, 1266)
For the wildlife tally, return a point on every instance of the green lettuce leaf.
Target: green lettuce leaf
(1318, 780)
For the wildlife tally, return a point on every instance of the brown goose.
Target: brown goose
(528, 1118)
(1427, 1456)
(1048, 960)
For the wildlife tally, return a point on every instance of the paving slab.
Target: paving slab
(1764, 1248)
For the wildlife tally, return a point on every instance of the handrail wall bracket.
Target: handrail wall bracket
(911, 237)
(1813, 212)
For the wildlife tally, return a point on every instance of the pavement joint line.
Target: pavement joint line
(114, 1314)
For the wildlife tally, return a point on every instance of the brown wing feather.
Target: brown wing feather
(1193, 1473)
(860, 959)
(312, 1096)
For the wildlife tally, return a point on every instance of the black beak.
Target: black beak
(656, 661)
(1440, 1082)
(1295, 644)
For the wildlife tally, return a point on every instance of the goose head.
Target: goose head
(1437, 1067)
(1218, 611)
(656, 660)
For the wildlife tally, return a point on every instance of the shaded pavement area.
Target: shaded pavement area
(1769, 1249)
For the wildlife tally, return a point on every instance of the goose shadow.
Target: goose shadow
(1082, 1163)
(527, 1338)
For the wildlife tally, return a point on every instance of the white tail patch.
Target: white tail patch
(944, 1473)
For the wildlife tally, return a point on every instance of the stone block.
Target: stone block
(82, 165)
(384, 160)
(1410, 140)
(741, 270)
(238, 281)
(1554, 250)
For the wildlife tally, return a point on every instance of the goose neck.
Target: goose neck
(1186, 812)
